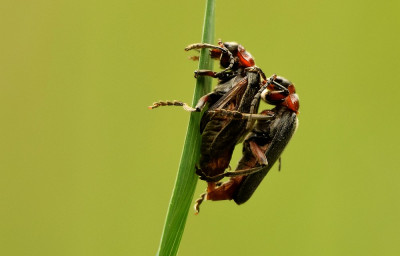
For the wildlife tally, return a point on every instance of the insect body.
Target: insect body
(221, 134)
(237, 87)
(262, 146)
(232, 109)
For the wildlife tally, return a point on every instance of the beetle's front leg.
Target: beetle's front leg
(258, 70)
(215, 53)
(223, 75)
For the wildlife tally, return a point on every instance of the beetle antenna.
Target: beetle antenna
(283, 88)
(173, 103)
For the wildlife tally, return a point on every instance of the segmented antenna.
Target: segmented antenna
(173, 103)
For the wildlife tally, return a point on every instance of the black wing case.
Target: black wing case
(285, 128)
(237, 90)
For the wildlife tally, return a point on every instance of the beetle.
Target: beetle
(221, 134)
(262, 146)
(238, 89)
(235, 61)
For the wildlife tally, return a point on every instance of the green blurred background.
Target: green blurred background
(87, 169)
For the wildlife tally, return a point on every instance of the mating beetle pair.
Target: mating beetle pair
(232, 111)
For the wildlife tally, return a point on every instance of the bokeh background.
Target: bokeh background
(87, 169)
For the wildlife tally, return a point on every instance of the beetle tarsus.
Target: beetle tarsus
(198, 203)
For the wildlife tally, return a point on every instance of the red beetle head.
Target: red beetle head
(281, 91)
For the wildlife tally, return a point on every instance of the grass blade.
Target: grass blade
(186, 180)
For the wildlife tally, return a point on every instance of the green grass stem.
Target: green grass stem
(186, 180)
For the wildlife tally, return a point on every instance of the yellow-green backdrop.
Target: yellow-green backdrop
(87, 169)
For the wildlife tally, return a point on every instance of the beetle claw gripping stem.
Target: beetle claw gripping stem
(198, 203)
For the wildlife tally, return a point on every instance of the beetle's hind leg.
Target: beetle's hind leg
(222, 191)
(231, 174)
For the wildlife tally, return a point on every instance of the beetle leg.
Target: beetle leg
(202, 102)
(256, 116)
(221, 47)
(198, 203)
(199, 106)
(174, 103)
(203, 72)
(258, 153)
(242, 172)
(239, 115)
(225, 191)
(231, 174)
(256, 100)
(223, 75)
(256, 69)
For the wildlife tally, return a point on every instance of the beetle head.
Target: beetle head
(281, 91)
(232, 47)
(245, 58)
